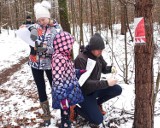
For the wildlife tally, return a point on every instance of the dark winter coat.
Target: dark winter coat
(93, 83)
(65, 84)
(28, 22)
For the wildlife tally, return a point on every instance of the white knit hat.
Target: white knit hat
(42, 9)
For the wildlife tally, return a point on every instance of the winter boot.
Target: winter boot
(72, 113)
(65, 122)
(46, 113)
(101, 109)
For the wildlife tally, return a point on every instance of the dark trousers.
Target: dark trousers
(90, 106)
(38, 76)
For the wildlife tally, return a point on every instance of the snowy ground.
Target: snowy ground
(19, 105)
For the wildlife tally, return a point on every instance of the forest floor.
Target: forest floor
(20, 105)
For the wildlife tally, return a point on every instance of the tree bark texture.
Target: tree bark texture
(143, 117)
(63, 12)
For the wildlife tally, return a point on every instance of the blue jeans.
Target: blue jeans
(90, 106)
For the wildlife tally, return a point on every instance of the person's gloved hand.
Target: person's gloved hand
(79, 72)
(34, 33)
(111, 82)
(113, 69)
(64, 104)
(39, 46)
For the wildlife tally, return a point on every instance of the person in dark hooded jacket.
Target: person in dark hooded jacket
(28, 21)
(95, 90)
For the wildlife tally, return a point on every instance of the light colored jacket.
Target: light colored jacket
(42, 60)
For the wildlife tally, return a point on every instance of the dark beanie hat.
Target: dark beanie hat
(28, 17)
(96, 42)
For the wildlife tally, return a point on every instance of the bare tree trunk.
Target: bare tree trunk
(114, 14)
(91, 17)
(99, 18)
(127, 23)
(157, 88)
(81, 22)
(64, 15)
(10, 21)
(86, 12)
(110, 17)
(16, 11)
(123, 19)
(110, 23)
(143, 116)
(73, 15)
(126, 60)
(105, 4)
(24, 8)
(0, 17)
(32, 9)
(124, 13)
